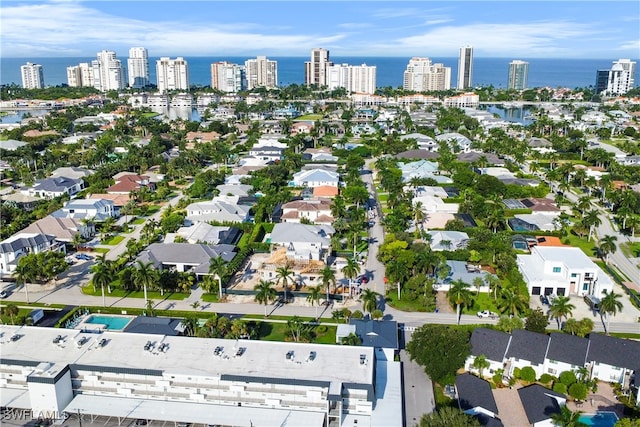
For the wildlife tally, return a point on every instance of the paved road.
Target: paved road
(418, 391)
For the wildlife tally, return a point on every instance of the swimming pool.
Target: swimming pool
(112, 323)
(599, 419)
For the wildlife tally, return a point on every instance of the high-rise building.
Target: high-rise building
(261, 72)
(315, 71)
(618, 80)
(465, 67)
(32, 76)
(423, 76)
(172, 74)
(80, 75)
(228, 77)
(107, 72)
(354, 78)
(518, 74)
(138, 67)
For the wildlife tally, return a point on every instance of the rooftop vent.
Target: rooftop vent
(218, 351)
(363, 359)
(312, 356)
(290, 355)
(240, 351)
(163, 347)
(102, 342)
(149, 346)
(58, 339)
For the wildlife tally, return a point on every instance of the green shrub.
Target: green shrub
(322, 329)
(497, 379)
(357, 314)
(546, 378)
(516, 373)
(560, 388)
(567, 378)
(578, 391)
(528, 374)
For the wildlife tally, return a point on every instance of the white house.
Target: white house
(96, 209)
(566, 352)
(457, 141)
(614, 359)
(315, 178)
(448, 240)
(315, 210)
(14, 247)
(54, 187)
(433, 204)
(303, 242)
(562, 271)
(219, 209)
(526, 348)
(424, 142)
(475, 397)
(491, 344)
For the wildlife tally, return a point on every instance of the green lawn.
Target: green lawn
(101, 250)
(313, 117)
(137, 221)
(120, 293)
(404, 304)
(278, 332)
(631, 249)
(588, 248)
(210, 297)
(383, 197)
(113, 240)
(481, 302)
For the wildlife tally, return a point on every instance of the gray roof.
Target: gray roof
(235, 190)
(493, 344)
(568, 348)
(379, 334)
(472, 156)
(11, 144)
(17, 242)
(618, 352)
(57, 184)
(186, 253)
(287, 232)
(417, 154)
(538, 403)
(474, 392)
(153, 325)
(528, 345)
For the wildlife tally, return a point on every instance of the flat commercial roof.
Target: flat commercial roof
(15, 398)
(196, 413)
(190, 355)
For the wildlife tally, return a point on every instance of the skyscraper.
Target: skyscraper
(261, 72)
(107, 72)
(465, 67)
(32, 76)
(173, 74)
(315, 71)
(518, 74)
(618, 80)
(228, 77)
(138, 67)
(423, 76)
(354, 78)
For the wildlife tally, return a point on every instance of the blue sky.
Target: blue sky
(544, 29)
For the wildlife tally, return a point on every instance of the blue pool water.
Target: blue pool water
(600, 419)
(113, 323)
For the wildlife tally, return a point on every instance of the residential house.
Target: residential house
(419, 169)
(301, 128)
(126, 182)
(72, 172)
(218, 209)
(14, 247)
(614, 359)
(315, 178)
(566, 352)
(317, 211)
(433, 204)
(303, 242)
(202, 137)
(447, 240)
(241, 190)
(562, 271)
(119, 200)
(22, 201)
(526, 349)
(418, 154)
(11, 144)
(267, 153)
(63, 229)
(322, 154)
(423, 142)
(540, 403)
(325, 191)
(203, 232)
(475, 397)
(185, 257)
(540, 204)
(95, 209)
(474, 156)
(457, 142)
(382, 335)
(465, 272)
(331, 167)
(425, 190)
(491, 344)
(49, 188)
(545, 221)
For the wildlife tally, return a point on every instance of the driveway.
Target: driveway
(418, 391)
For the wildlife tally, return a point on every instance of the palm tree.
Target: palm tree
(10, 310)
(608, 246)
(478, 282)
(144, 275)
(459, 295)
(495, 284)
(567, 418)
(284, 275)
(512, 302)
(328, 276)
(102, 275)
(351, 271)
(369, 300)
(314, 297)
(23, 276)
(265, 294)
(218, 267)
(591, 219)
(561, 307)
(481, 363)
(610, 305)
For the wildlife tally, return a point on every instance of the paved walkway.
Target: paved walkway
(604, 399)
(510, 410)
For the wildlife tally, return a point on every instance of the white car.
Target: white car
(487, 314)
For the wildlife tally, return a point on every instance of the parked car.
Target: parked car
(3, 294)
(84, 257)
(362, 279)
(487, 314)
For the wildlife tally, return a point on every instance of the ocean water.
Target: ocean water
(554, 72)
